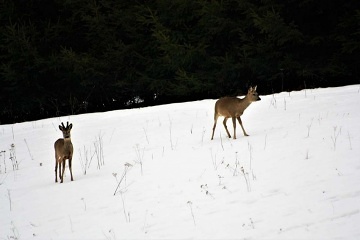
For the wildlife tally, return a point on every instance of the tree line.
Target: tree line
(60, 57)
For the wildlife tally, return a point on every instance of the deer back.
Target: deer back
(229, 107)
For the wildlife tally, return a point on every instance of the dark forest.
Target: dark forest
(61, 57)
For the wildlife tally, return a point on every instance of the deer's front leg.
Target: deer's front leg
(240, 122)
(63, 170)
(59, 163)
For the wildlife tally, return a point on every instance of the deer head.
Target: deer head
(66, 130)
(252, 95)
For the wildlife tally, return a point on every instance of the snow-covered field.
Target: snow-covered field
(154, 173)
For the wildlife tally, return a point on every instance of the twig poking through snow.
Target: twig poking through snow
(83, 199)
(14, 162)
(146, 136)
(246, 180)
(307, 154)
(127, 166)
(213, 159)
(236, 165)
(202, 137)
(250, 154)
(170, 129)
(139, 156)
(334, 138)
(12, 130)
(127, 216)
(349, 140)
(112, 134)
(220, 177)
(273, 102)
(15, 232)
(99, 150)
(192, 213)
(205, 187)
(252, 224)
(145, 221)
(3, 177)
(339, 173)
(3, 153)
(28, 150)
(309, 127)
(85, 164)
(9, 199)
(71, 224)
(221, 143)
(265, 141)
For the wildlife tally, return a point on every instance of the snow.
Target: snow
(295, 177)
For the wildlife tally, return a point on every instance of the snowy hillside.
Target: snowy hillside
(154, 173)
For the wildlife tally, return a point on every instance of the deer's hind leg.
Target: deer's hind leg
(215, 120)
(227, 131)
(56, 167)
(70, 160)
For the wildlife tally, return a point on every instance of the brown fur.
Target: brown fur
(63, 150)
(233, 107)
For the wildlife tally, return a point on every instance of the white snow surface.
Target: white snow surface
(297, 176)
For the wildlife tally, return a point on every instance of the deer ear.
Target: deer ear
(70, 126)
(255, 88)
(61, 128)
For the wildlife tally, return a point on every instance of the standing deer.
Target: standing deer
(63, 150)
(233, 107)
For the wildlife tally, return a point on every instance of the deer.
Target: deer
(233, 107)
(63, 150)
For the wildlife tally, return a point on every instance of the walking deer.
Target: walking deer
(233, 107)
(63, 150)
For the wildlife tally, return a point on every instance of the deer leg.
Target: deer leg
(234, 125)
(59, 163)
(56, 166)
(63, 170)
(70, 160)
(215, 120)
(227, 131)
(240, 122)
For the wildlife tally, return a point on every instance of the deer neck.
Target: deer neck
(245, 102)
(67, 144)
